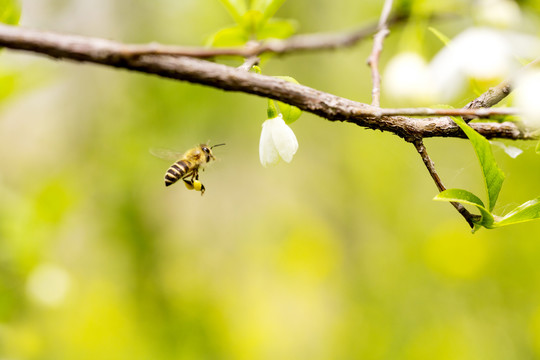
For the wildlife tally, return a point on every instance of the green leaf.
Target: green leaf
(277, 29)
(444, 39)
(10, 12)
(466, 197)
(251, 21)
(529, 210)
(493, 175)
(267, 7)
(256, 69)
(228, 37)
(236, 8)
(538, 148)
(290, 113)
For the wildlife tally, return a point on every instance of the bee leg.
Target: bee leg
(189, 183)
(197, 185)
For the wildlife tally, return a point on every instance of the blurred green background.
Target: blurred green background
(341, 254)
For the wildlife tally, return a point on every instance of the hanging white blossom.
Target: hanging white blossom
(277, 141)
(526, 98)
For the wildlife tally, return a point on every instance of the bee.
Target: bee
(187, 167)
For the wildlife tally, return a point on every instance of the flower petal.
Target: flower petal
(511, 151)
(407, 79)
(527, 88)
(284, 139)
(267, 151)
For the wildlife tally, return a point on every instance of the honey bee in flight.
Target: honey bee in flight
(188, 165)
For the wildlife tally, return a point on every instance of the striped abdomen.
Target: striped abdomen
(177, 171)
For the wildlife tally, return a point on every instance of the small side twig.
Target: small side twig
(297, 43)
(249, 63)
(419, 145)
(373, 60)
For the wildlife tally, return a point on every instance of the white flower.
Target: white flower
(511, 151)
(48, 284)
(526, 98)
(481, 53)
(499, 13)
(277, 141)
(407, 79)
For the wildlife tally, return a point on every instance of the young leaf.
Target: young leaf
(256, 69)
(251, 21)
(493, 175)
(529, 210)
(277, 29)
(290, 113)
(236, 8)
(267, 7)
(466, 197)
(10, 12)
(228, 37)
(443, 38)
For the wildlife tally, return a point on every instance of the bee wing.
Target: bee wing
(166, 154)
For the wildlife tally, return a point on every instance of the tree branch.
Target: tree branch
(329, 106)
(476, 113)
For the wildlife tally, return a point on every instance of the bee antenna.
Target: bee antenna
(217, 145)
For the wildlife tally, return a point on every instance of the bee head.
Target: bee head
(207, 150)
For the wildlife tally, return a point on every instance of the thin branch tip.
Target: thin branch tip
(373, 59)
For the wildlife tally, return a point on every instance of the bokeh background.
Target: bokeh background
(341, 254)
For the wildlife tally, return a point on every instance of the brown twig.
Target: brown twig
(326, 105)
(249, 63)
(373, 60)
(419, 145)
(294, 44)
